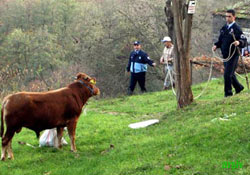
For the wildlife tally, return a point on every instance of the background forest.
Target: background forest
(44, 43)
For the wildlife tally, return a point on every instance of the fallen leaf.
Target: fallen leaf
(178, 166)
(170, 155)
(77, 155)
(111, 146)
(47, 173)
(167, 167)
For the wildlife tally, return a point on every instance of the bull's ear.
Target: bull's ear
(78, 76)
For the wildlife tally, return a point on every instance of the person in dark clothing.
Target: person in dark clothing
(225, 40)
(137, 66)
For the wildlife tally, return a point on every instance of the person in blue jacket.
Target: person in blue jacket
(137, 66)
(226, 38)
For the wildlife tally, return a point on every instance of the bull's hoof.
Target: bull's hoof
(58, 147)
(11, 157)
(2, 158)
(74, 151)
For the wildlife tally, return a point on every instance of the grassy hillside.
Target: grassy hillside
(188, 141)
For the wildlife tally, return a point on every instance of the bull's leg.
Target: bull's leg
(3, 152)
(5, 142)
(59, 136)
(71, 129)
(9, 150)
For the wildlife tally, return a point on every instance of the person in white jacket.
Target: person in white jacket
(167, 59)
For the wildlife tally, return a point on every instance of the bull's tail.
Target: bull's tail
(2, 123)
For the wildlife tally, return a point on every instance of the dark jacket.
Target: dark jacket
(226, 38)
(138, 62)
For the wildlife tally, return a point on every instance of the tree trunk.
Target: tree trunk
(184, 93)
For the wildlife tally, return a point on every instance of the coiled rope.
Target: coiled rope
(210, 72)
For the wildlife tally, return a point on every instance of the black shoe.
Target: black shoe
(237, 91)
(130, 92)
(228, 94)
(165, 87)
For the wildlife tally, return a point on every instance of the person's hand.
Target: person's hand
(127, 73)
(236, 43)
(161, 60)
(214, 48)
(154, 64)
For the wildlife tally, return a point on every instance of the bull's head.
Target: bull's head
(89, 82)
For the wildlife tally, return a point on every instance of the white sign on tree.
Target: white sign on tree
(191, 7)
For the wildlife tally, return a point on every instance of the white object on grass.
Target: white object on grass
(143, 124)
(224, 119)
(49, 138)
(221, 119)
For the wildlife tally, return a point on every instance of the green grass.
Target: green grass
(185, 140)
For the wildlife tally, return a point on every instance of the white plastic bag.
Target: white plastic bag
(49, 138)
(143, 124)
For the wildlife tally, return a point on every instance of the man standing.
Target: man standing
(226, 38)
(167, 60)
(137, 66)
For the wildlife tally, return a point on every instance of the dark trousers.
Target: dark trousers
(229, 76)
(140, 77)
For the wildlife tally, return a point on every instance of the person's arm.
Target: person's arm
(129, 63)
(219, 42)
(162, 60)
(148, 60)
(240, 37)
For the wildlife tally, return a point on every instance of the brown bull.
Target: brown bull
(45, 110)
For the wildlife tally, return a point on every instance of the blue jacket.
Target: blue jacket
(226, 38)
(138, 62)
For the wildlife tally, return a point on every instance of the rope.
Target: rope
(211, 67)
(172, 84)
(210, 72)
(171, 79)
(209, 79)
(240, 75)
(229, 56)
(170, 72)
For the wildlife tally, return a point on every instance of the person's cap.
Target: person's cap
(166, 39)
(137, 43)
